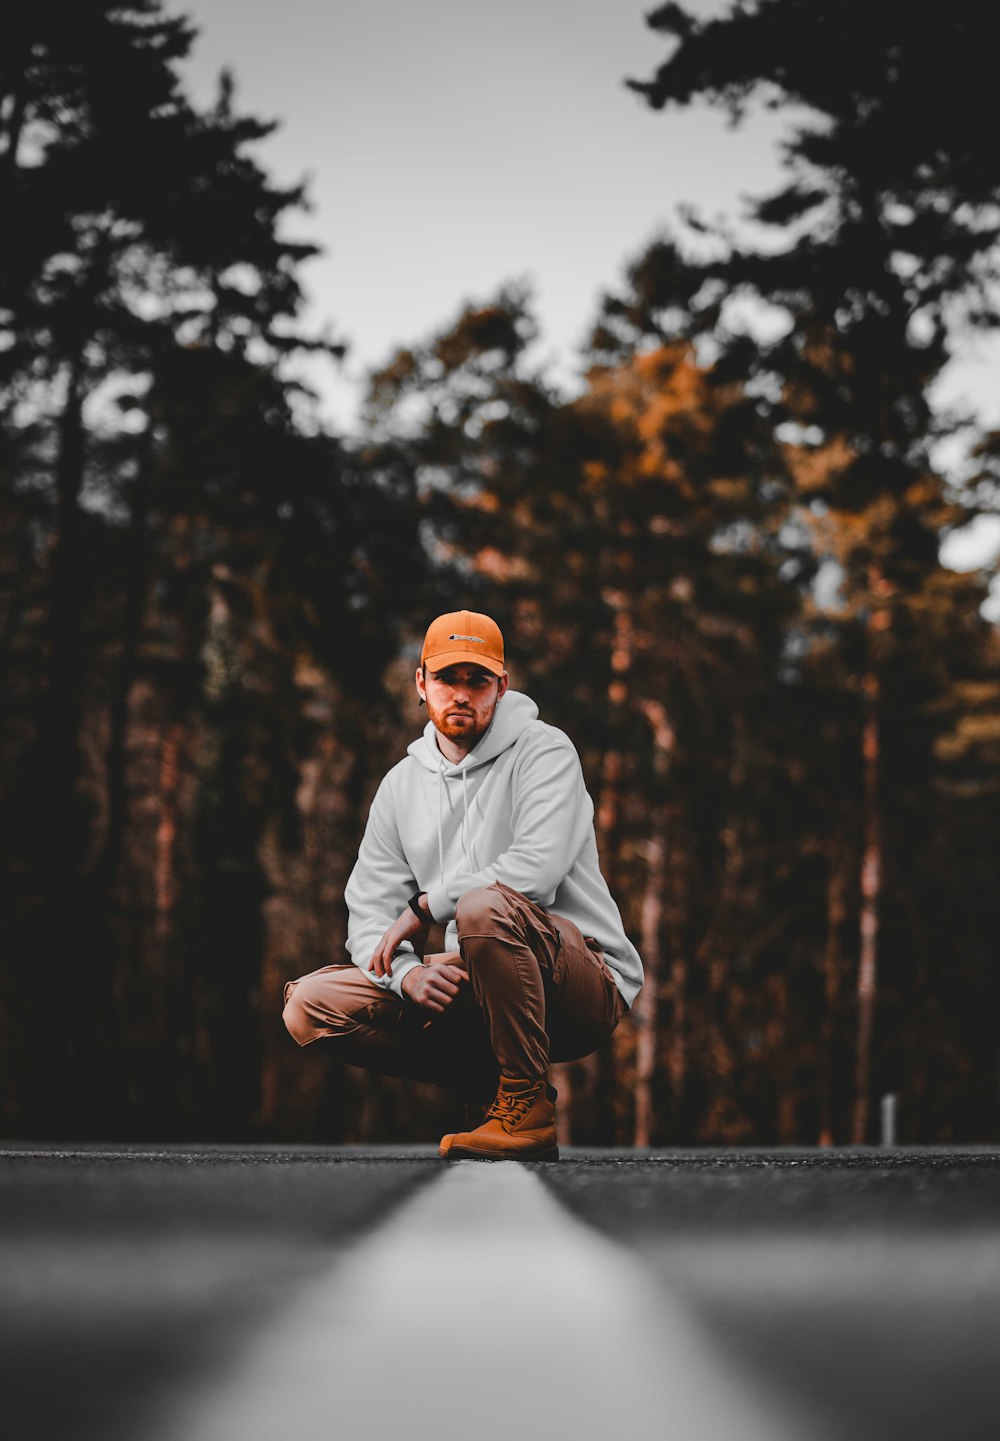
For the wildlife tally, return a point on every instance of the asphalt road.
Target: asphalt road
(864, 1287)
(856, 1293)
(126, 1278)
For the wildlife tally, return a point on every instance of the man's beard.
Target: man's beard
(465, 733)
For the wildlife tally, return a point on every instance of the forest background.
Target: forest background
(718, 568)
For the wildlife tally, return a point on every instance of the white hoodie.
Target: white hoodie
(515, 809)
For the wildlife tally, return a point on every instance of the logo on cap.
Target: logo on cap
(477, 638)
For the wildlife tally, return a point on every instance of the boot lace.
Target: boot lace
(511, 1107)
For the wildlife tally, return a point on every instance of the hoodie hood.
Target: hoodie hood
(514, 713)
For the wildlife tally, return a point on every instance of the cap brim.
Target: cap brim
(462, 657)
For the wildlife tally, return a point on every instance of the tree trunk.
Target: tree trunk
(716, 947)
(644, 1012)
(166, 833)
(871, 886)
(174, 1017)
(135, 588)
(608, 817)
(561, 1076)
(879, 593)
(832, 966)
(62, 721)
(608, 810)
(64, 1078)
(594, 1075)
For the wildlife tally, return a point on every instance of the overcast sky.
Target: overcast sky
(452, 145)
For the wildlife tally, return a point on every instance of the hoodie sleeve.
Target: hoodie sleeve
(551, 819)
(377, 891)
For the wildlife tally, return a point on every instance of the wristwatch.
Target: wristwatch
(417, 909)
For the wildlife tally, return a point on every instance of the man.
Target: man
(486, 827)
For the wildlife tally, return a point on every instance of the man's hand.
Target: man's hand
(405, 927)
(436, 983)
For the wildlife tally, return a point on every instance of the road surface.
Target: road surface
(220, 1294)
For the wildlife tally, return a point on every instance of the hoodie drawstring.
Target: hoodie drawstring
(466, 842)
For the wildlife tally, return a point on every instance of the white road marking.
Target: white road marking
(482, 1309)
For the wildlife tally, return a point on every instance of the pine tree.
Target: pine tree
(148, 239)
(885, 243)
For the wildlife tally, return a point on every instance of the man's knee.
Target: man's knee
(329, 1002)
(299, 1014)
(482, 912)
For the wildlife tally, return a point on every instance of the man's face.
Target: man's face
(461, 702)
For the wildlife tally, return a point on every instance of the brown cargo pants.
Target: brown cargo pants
(538, 991)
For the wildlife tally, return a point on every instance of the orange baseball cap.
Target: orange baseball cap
(463, 637)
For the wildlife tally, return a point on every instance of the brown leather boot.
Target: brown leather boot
(520, 1125)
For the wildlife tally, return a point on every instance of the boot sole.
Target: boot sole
(467, 1153)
